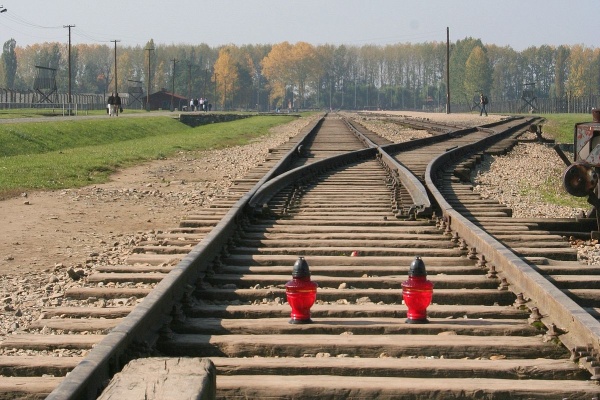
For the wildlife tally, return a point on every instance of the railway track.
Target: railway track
(502, 324)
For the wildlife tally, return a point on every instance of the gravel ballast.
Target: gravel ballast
(513, 179)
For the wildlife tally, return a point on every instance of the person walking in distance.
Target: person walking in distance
(117, 105)
(483, 100)
(109, 105)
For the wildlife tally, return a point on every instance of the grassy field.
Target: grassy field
(561, 126)
(13, 113)
(75, 153)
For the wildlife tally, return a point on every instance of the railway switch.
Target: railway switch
(417, 293)
(301, 293)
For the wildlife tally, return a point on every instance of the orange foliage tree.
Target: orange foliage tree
(225, 75)
(291, 65)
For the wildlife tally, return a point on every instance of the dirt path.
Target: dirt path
(72, 226)
(69, 228)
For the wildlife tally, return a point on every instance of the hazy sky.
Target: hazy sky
(516, 23)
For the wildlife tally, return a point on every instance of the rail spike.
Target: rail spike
(503, 284)
(492, 273)
(482, 262)
(448, 230)
(472, 253)
(535, 315)
(520, 301)
(455, 238)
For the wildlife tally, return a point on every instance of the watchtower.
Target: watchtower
(45, 84)
(529, 98)
(136, 94)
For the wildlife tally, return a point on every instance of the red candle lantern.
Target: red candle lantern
(301, 293)
(417, 292)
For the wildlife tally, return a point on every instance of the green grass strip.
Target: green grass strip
(561, 126)
(44, 137)
(87, 152)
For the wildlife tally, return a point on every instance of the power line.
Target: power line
(90, 37)
(22, 21)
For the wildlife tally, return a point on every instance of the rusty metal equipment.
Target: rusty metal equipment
(581, 177)
(586, 141)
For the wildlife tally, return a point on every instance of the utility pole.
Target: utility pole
(205, 79)
(447, 70)
(115, 42)
(189, 80)
(173, 84)
(216, 75)
(70, 74)
(149, 71)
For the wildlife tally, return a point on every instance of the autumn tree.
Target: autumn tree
(504, 66)
(126, 70)
(581, 71)
(291, 65)
(252, 81)
(225, 75)
(401, 75)
(247, 60)
(459, 54)
(595, 73)
(478, 74)
(305, 67)
(276, 67)
(326, 83)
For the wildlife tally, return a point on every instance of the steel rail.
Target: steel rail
(368, 142)
(144, 323)
(403, 176)
(400, 174)
(88, 378)
(579, 327)
(266, 192)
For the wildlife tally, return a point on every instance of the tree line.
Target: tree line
(302, 75)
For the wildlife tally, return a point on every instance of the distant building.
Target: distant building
(162, 100)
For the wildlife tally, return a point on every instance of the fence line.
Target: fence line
(83, 101)
(32, 99)
(566, 105)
